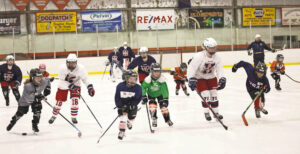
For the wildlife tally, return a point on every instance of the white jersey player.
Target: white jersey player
(70, 75)
(203, 72)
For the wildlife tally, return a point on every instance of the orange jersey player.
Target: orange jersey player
(42, 68)
(277, 69)
(179, 75)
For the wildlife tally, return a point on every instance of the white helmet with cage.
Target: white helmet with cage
(8, 58)
(72, 58)
(210, 45)
(143, 51)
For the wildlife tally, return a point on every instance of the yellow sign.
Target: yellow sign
(62, 22)
(258, 17)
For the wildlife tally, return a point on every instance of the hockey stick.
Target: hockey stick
(104, 72)
(243, 115)
(91, 111)
(79, 132)
(151, 130)
(217, 117)
(291, 78)
(107, 128)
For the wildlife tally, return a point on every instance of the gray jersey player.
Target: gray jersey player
(35, 89)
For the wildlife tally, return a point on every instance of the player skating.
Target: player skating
(35, 89)
(128, 96)
(179, 75)
(69, 76)
(127, 54)
(143, 62)
(256, 81)
(115, 61)
(156, 88)
(10, 76)
(277, 69)
(258, 47)
(203, 72)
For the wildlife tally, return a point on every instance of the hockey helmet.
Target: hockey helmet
(126, 75)
(71, 58)
(42, 66)
(278, 57)
(10, 57)
(261, 67)
(183, 65)
(210, 45)
(35, 72)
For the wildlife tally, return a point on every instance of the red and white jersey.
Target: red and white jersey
(203, 67)
(65, 75)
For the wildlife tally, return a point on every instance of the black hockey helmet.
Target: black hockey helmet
(127, 74)
(155, 67)
(261, 67)
(35, 72)
(278, 57)
(183, 65)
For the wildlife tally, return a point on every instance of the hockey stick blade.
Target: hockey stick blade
(244, 119)
(79, 134)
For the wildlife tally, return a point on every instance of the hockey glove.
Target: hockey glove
(282, 72)
(234, 68)
(47, 91)
(16, 85)
(222, 83)
(91, 90)
(72, 86)
(70, 78)
(267, 89)
(145, 100)
(172, 72)
(273, 50)
(193, 83)
(249, 53)
(51, 79)
(38, 97)
(107, 63)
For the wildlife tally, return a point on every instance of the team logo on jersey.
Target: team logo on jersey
(257, 85)
(70, 78)
(125, 52)
(145, 68)
(155, 86)
(127, 94)
(208, 67)
(8, 76)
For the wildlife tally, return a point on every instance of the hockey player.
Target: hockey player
(10, 76)
(203, 73)
(128, 96)
(69, 76)
(256, 80)
(277, 69)
(115, 61)
(35, 89)
(179, 75)
(156, 88)
(258, 47)
(143, 62)
(42, 68)
(127, 54)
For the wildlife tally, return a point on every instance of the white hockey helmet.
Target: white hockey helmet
(9, 57)
(257, 36)
(72, 57)
(210, 45)
(116, 49)
(143, 49)
(125, 43)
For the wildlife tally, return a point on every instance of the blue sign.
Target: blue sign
(104, 20)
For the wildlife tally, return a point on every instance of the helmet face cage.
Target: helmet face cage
(35, 73)
(280, 58)
(183, 65)
(126, 75)
(210, 45)
(8, 58)
(155, 67)
(261, 68)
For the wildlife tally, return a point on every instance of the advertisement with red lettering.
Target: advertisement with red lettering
(155, 19)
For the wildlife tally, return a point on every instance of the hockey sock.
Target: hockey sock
(165, 113)
(57, 108)
(153, 110)
(74, 107)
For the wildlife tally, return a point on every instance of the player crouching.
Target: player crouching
(32, 96)
(277, 69)
(179, 75)
(256, 81)
(156, 87)
(128, 96)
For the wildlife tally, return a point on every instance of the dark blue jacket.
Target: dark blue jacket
(258, 49)
(116, 55)
(143, 67)
(10, 75)
(253, 83)
(127, 53)
(128, 96)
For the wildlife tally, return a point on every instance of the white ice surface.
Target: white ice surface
(275, 133)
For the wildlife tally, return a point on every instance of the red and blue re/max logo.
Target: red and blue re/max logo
(154, 19)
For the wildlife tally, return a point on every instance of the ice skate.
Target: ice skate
(219, 116)
(35, 128)
(207, 116)
(170, 123)
(186, 93)
(129, 124)
(52, 119)
(121, 135)
(257, 113)
(278, 87)
(7, 102)
(154, 122)
(177, 91)
(74, 120)
(264, 111)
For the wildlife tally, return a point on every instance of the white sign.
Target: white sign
(155, 19)
(290, 16)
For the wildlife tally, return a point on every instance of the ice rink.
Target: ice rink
(275, 133)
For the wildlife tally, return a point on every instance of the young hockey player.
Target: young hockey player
(156, 88)
(277, 69)
(256, 80)
(179, 75)
(143, 62)
(258, 47)
(32, 96)
(10, 76)
(69, 76)
(203, 72)
(127, 54)
(128, 96)
(115, 61)
(42, 68)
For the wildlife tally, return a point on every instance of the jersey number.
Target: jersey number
(208, 67)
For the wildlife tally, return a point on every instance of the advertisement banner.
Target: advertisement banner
(290, 16)
(40, 4)
(20, 4)
(259, 17)
(104, 20)
(62, 22)
(155, 19)
(208, 17)
(61, 4)
(82, 3)
(8, 22)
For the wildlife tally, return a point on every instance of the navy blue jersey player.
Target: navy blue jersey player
(126, 53)
(10, 76)
(115, 61)
(128, 96)
(256, 80)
